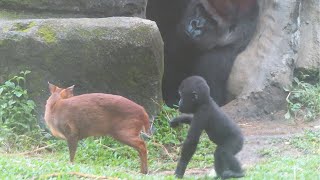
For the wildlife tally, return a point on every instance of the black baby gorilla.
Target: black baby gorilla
(204, 114)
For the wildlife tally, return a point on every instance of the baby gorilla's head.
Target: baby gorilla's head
(194, 92)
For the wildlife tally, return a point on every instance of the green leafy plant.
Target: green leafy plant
(303, 100)
(164, 133)
(18, 123)
(169, 141)
(16, 110)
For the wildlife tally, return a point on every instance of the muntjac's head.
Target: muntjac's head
(63, 93)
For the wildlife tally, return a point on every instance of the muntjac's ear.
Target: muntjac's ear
(67, 93)
(52, 88)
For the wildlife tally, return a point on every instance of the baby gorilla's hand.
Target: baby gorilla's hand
(183, 118)
(174, 123)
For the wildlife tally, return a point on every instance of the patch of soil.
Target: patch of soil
(271, 135)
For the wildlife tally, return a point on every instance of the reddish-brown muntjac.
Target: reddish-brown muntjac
(76, 117)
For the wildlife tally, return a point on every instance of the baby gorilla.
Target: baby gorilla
(204, 114)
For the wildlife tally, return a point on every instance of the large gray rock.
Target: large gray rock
(112, 55)
(266, 66)
(89, 8)
(309, 51)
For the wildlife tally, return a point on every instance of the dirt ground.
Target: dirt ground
(271, 135)
(262, 136)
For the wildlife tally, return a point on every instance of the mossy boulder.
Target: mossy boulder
(88, 8)
(118, 55)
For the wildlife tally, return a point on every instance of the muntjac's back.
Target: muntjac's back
(99, 114)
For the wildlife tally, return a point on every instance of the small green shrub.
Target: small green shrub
(164, 133)
(303, 100)
(170, 139)
(16, 110)
(18, 124)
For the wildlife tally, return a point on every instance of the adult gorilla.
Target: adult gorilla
(202, 37)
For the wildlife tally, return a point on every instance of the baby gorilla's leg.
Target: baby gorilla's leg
(232, 165)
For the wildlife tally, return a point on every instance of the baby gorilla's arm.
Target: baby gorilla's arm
(183, 118)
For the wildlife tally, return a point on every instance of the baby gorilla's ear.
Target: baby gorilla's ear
(194, 96)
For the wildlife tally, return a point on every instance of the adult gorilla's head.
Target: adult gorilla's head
(194, 92)
(214, 23)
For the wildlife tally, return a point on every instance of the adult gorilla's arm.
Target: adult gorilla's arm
(183, 118)
(188, 148)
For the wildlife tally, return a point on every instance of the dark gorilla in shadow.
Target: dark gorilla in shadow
(205, 115)
(202, 37)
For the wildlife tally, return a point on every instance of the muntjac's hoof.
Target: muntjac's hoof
(144, 171)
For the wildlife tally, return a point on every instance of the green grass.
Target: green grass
(22, 167)
(308, 143)
(101, 157)
(287, 168)
(277, 167)
(105, 157)
(306, 166)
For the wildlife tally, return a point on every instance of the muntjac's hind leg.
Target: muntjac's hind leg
(72, 144)
(133, 139)
(72, 136)
(140, 146)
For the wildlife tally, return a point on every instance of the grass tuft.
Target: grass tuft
(303, 100)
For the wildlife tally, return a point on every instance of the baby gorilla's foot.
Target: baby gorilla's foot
(231, 174)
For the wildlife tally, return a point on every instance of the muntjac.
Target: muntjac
(76, 117)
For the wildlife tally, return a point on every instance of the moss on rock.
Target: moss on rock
(24, 27)
(47, 34)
